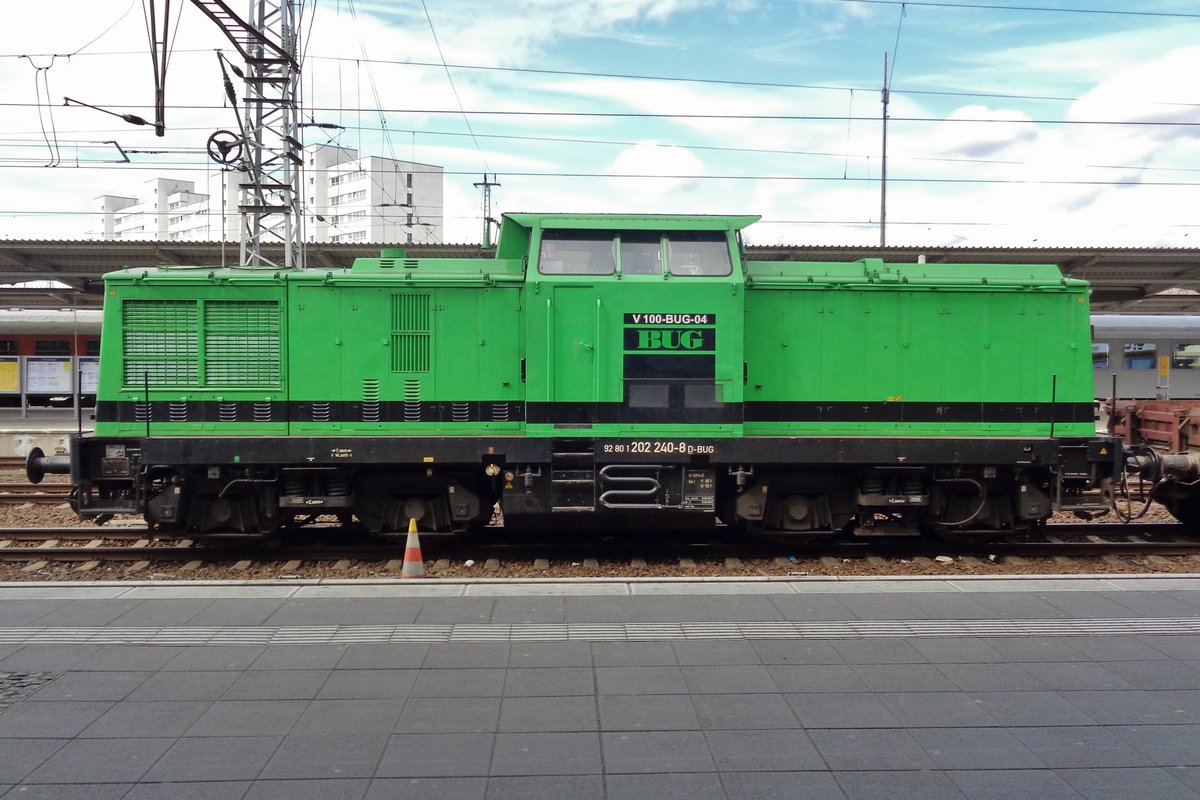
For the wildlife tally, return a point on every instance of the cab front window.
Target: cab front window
(641, 253)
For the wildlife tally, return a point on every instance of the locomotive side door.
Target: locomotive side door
(571, 337)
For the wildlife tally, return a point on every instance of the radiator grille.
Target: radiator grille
(410, 332)
(161, 342)
(241, 344)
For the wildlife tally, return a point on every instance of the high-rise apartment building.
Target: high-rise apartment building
(368, 199)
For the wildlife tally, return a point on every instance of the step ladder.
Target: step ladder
(573, 476)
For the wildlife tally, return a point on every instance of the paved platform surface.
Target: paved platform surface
(47, 428)
(821, 689)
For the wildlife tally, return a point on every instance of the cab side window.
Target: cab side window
(698, 253)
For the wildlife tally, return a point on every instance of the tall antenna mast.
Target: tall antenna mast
(269, 141)
(883, 168)
(486, 185)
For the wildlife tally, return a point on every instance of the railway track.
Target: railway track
(14, 492)
(134, 545)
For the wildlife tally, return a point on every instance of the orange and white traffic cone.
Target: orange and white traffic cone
(414, 563)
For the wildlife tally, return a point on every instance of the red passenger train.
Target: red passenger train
(47, 356)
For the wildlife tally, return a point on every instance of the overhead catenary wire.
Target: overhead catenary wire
(844, 155)
(1132, 183)
(731, 117)
(641, 77)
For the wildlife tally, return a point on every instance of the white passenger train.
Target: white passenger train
(1151, 355)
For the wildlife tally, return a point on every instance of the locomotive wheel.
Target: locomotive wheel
(1184, 509)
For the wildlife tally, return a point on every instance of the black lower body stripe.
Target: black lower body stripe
(841, 412)
(584, 414)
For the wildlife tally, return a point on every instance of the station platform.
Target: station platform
(976, 688)
(50, 429)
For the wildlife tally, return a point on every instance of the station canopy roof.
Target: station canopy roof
(1134, 280)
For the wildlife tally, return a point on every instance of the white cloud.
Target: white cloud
(1137, 75)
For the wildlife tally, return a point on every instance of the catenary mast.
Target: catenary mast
(267, 149)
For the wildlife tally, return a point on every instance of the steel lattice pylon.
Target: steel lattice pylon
(273, 154)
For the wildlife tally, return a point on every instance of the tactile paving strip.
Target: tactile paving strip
(185, 636)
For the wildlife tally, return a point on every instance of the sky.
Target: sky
(1011, 122)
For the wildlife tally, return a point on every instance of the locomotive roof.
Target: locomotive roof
(873, 270)
(674, 222)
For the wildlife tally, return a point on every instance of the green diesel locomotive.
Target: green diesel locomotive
(601, 370)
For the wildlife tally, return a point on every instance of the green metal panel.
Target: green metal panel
(407, 356)
(193, 337)
(830, 333)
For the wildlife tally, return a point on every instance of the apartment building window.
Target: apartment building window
(409, 199)
(339, 219)
(408, 219)
(347, 177)
(408, 180)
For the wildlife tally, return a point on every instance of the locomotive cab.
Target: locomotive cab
(634, 365)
